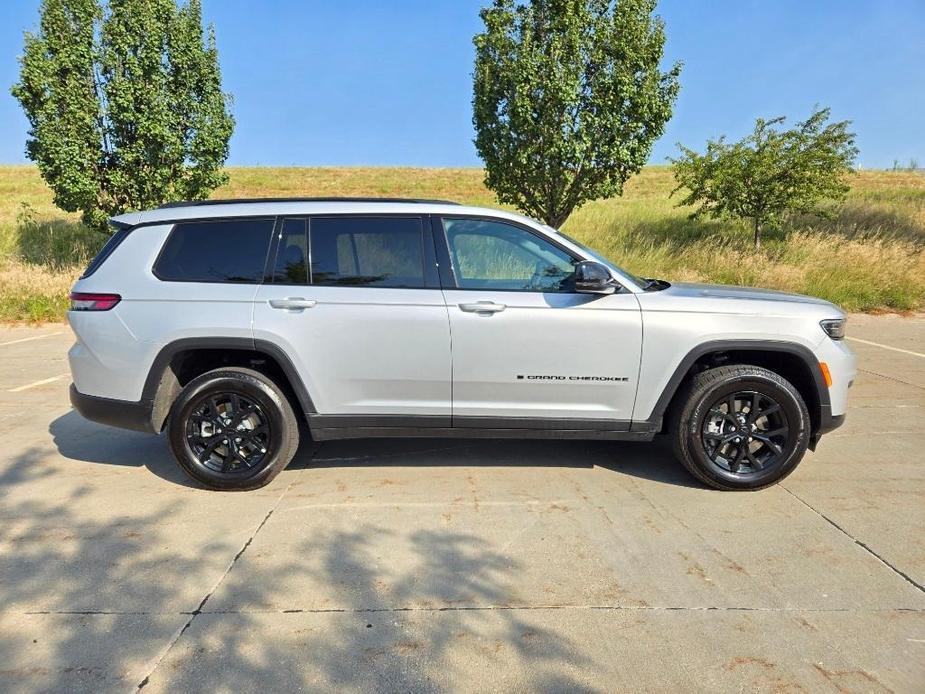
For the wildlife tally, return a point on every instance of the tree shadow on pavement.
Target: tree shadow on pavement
(102, 589)
(369, 629)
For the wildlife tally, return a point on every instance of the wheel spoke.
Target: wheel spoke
(246, 443)
(213, 405)
(777, 450)
(236, 451)
(254, 441)
(721, 438)
(736, 462)
(227, 463)
(753, 461)
(771, 409)
(206, 455)
(782, 431)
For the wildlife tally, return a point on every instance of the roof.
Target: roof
(273, 207)
(228, 201)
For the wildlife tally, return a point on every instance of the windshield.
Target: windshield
(599, 258)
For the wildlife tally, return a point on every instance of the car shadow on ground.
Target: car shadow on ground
(78, 439)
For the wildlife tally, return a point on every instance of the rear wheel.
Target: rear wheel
(740, 427)
(233, 429)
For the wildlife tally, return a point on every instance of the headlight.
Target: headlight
(834, 327)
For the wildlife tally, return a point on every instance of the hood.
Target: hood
(722, 291)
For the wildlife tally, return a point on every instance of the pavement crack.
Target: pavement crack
(899, 572)
(542, 608)
(891, 378)
(504, 608)
(199, 610)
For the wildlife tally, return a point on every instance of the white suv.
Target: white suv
(226, 322)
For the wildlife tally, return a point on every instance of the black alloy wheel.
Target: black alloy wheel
(232, 428)
(745, 432)
(739, 427)
(228, 433)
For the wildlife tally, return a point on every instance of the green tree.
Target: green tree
(770, 173)
(568, 99)
(124, 103)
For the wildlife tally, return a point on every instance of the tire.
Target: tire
(262, 442)
(706, 437)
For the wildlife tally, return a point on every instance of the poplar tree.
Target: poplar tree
(124, 103)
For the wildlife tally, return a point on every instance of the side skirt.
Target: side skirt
(327, 428)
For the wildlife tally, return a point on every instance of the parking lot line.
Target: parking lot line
(36, 384)
(892, 349)
(28, 339)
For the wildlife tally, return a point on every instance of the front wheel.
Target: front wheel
(740, 427)
(232, 429)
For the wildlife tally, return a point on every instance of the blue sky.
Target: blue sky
(376, 82)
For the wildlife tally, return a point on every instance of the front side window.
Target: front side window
(226, 250)
(366, 251)
(493, 255)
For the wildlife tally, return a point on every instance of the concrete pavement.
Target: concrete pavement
(461, 565)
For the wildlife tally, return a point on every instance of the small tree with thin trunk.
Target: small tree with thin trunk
(769, 174)
(124, 103)
(568, 99)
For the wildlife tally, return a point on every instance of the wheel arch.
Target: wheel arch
(791, 360)
(180, 361)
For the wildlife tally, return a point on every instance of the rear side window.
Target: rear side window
(228, 250)
(106, 251)
(351, 252)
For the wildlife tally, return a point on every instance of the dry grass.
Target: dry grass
(870, 256)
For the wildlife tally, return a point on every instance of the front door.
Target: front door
(355, 302)
(529, 351)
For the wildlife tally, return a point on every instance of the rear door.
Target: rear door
(528, 351)
(355, 301)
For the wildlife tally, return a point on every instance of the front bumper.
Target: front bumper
(827, 422)
(123, 414)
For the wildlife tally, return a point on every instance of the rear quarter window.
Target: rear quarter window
(111, 244)
(229, 250)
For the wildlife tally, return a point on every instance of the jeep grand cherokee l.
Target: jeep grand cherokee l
(225, 323)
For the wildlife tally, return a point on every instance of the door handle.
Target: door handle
(483, 307)
(293, 303)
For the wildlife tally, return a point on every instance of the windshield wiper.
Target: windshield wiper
(654, 285)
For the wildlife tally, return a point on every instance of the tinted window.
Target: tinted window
(111, 244)
(291, 266)
(494, 255)
(231, 250)
(366, 251)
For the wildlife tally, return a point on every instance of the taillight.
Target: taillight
(93, 302)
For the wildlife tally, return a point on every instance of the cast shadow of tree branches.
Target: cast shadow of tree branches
(97, 579)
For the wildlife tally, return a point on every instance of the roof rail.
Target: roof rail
(231, 201)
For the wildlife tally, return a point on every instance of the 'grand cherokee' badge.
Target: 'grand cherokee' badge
(601, 379)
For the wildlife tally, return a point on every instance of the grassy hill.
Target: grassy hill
(869, 257)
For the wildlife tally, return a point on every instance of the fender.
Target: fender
(823, 413)
(161, 386)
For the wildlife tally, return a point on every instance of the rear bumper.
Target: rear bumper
(123, 414)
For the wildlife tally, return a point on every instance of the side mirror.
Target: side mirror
(593, 278)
